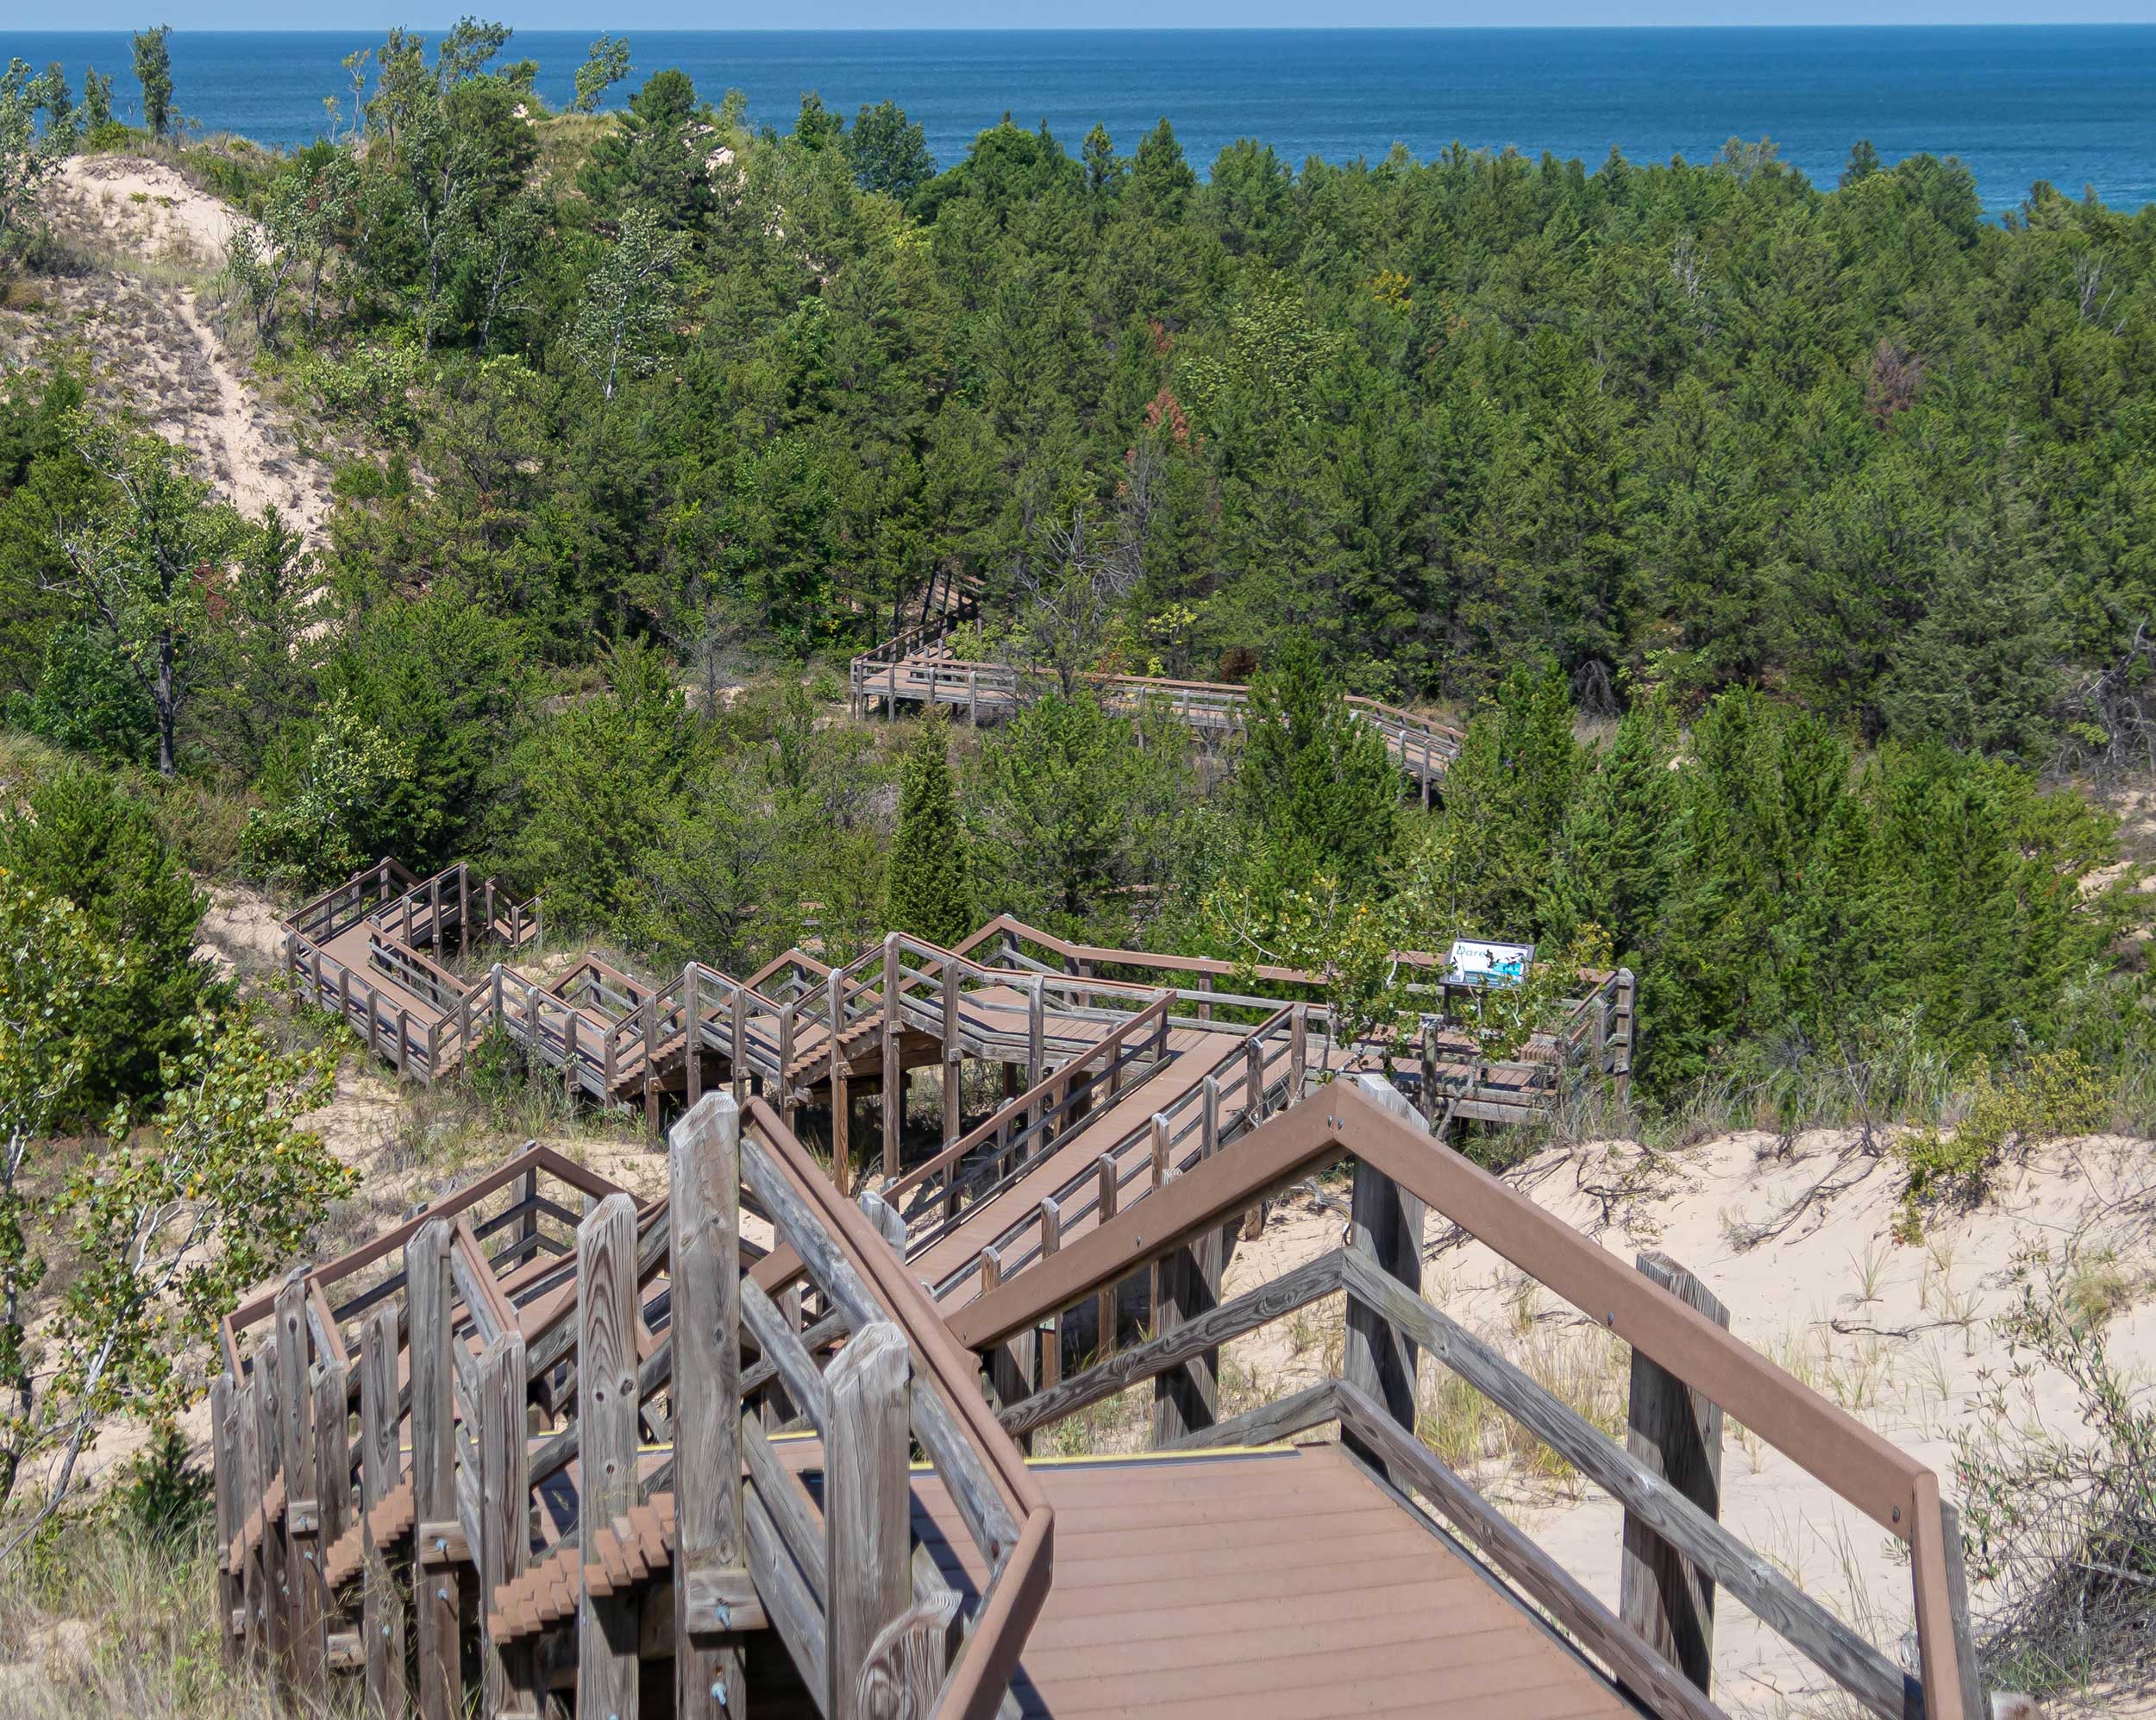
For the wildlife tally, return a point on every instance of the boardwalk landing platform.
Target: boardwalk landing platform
(1280, 1585)
(509, 1459)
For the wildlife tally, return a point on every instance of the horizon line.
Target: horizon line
(1156, 29)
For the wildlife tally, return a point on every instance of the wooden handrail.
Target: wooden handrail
(975, 1687)
(1105, 1049)
(1861, 1466)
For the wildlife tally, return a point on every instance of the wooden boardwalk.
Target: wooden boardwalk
(539, 1450)
(927, 675)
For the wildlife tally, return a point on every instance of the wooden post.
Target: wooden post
(381, 1607)
(435, 907)
(1298, 1052)
(1051, 1243)
(952, 1054)
(276, 1589)
(332, 1485)
(1627, 1032)
(1186, 1285)
(464, 908)
(509, 1672)
(1036, 1042)
(711, 1574)
(739, 1056)
(1205, 984)
(253, 1595)
(1385, 1223)
(1429, 1074)
(1104, 1344)
(435, 1582)
(893, 1076)
(225, 1471)
(303, 1529)
(867, 1507)
(691, 1035)
(570, 1021)
(651, 1066)
(607, 1626)
(1011, 1362)
(1675, 1433)
(786, 1018)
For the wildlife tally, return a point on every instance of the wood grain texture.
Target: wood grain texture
(1177, 1344)
(1836, 1649)
(438, 1660)
(704, 1262)
(606, 1415)
(382, 1606)
(1414, 1465)
(1385, 1231)
(510, 1672)
(907, 1662)
(224, 1433)
(306, 1647)
(1673, 1432)
(867, 1512)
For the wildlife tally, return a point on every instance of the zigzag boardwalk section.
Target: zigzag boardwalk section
(655, 1469)
(921, 672)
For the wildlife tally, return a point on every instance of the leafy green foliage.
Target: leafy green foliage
(1315, 788)
(51, 968)
(153, 71)
(890, 153)
(329, 802)
(2052, 1094)
(83, 839)
(606, 66)
(30, 150)
(170, 1226)
(1073, 809)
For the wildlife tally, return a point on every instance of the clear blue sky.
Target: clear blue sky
(690, 15)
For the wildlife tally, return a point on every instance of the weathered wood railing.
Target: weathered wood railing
(344, 905)
(1657, 1642)
(1030, 1124)
(1243, 1084)
(916, 666)
(864, 1604)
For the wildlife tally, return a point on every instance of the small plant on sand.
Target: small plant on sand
(2055, 1093)
(2061, 1521)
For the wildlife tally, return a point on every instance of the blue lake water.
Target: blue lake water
(2072, 104)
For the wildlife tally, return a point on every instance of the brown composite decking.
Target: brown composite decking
(1283, 1584)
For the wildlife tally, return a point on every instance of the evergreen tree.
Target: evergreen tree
(924, 888)
(1508, 794)
(890, 153)
(81, 839)
(1316, 790)
(153, 71)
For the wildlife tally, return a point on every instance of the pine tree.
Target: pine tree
(1316, 789)
(925, 889)
(83, 839)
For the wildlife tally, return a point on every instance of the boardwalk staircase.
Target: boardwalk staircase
(540, 1449)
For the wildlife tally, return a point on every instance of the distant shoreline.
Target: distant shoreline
(2069, 104)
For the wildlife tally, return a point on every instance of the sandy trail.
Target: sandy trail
(168, 240)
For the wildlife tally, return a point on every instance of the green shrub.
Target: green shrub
(2055, 1093)
(162, 1497)
(81, 836)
